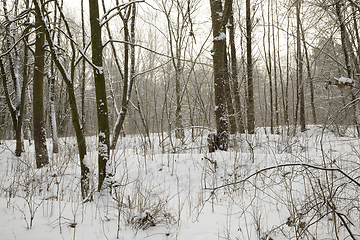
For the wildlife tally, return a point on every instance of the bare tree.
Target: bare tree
(68, 79)
(349, 68)
(128, 70)
(16, 104)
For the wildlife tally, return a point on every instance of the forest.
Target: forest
(180, 119)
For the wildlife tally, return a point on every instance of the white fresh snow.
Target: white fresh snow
(158, 195)
(344, 80)
(222, 36)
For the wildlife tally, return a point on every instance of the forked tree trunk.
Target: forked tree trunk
(128, 79)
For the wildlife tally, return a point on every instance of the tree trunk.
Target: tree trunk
(38, 95)
(349, 68)
(250, 85)
(229, 102)
(52, 118)
(219, 18)
(80, 138)
(16, 106)
(100, 90)
(83, 70)
(308, 68)
(234, 76)
(300, 69)
(129, 36)
(179, 131)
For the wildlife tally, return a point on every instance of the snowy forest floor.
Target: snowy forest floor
(265, 187)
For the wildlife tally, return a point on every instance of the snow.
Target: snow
(344, 80)
(180, 193)
(100, 70)
(222, 36)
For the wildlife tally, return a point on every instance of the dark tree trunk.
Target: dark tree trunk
(38, 95)
(83, 69)
(219, 18)
(250, 84)
(100, 90)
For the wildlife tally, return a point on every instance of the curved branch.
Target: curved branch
(305, 165)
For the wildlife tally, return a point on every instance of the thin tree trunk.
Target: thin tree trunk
(250, 85)
(275, 71)
(348, 64)
(179, 131)
(300, 69)
(16, 107)
(312, 95)
(234, 75)
(229, 103)
(53, 125)
(143, 119)
(129, 36)
(83, 70)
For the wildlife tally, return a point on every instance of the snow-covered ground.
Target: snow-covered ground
(265, 187)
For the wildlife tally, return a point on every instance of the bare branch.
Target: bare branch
(305, 165)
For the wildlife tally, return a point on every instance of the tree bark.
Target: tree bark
(250, 84)
(100, 90)
(219, 17)
(38, 94)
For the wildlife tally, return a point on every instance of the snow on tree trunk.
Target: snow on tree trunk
(219, 19)
(100, 90)
(348, 65)
(52, 112)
